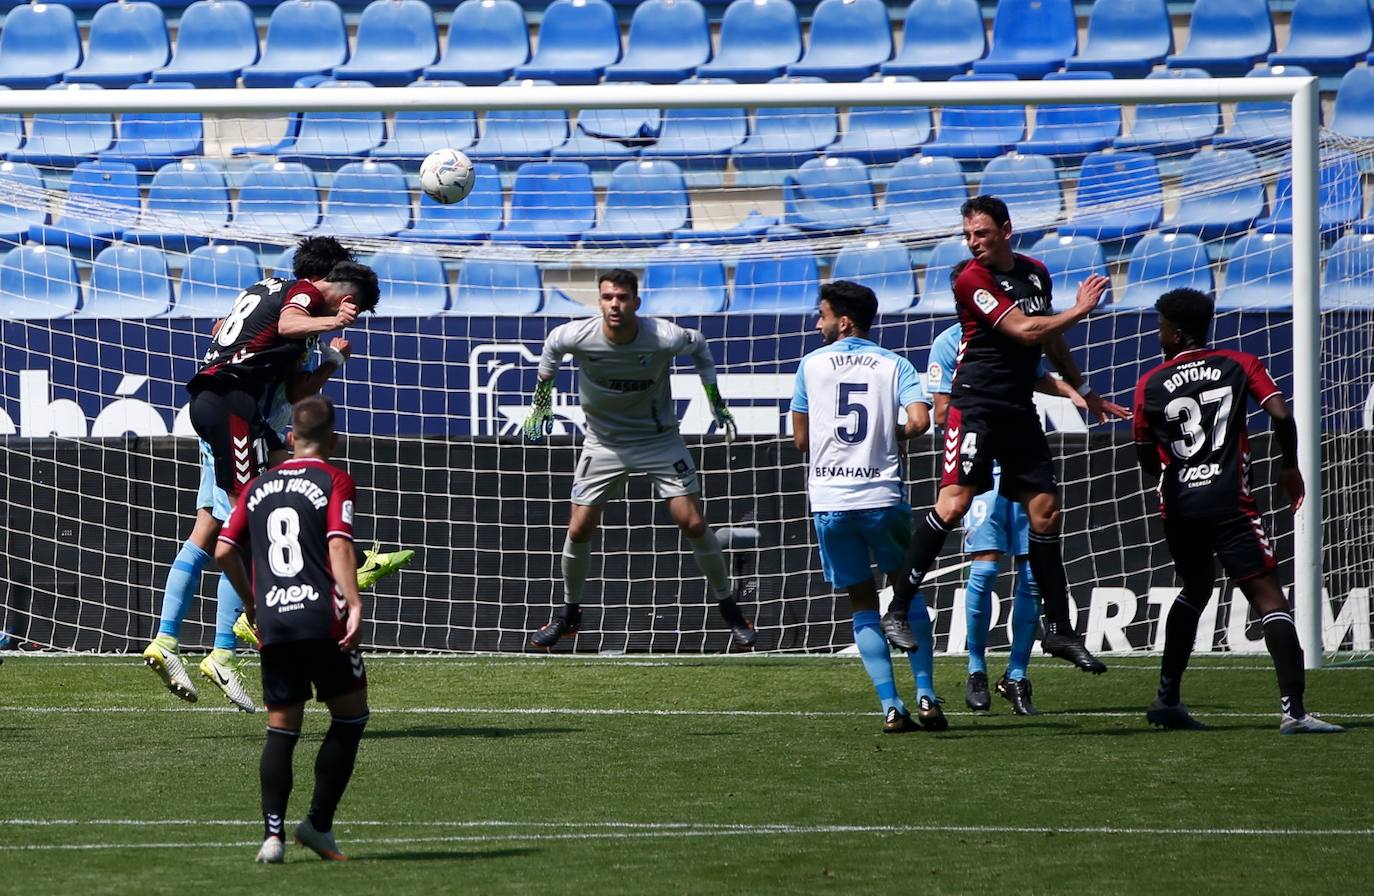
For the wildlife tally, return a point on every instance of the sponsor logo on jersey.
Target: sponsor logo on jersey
(986, 301)
(934, 373)
(1202, 474)
(845, 472)
(291, 597)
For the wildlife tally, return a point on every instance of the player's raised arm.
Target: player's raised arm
(308, 382)
(1029, 330)
(1058, 353)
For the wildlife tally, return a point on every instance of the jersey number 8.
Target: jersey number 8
(284, 537)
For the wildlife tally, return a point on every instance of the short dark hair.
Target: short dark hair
(316, 256)
(852, 300)
(1188, 309)
(363, 280)
(312, 419)
(991, 206)
(626, 280)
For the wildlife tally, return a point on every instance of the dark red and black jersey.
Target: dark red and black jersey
(284, 521)
(994, 368)
(248, 352)
(1193, 409)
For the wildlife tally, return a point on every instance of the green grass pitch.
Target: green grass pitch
(694, 775)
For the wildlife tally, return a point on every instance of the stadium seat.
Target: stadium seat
(829, 195)
(1119, 197)
(1340, 200)
(38, 282)
(1227, 37)
(487, 39)
(212, 278)
(668, 40)
(681, 280)
(551, 204)
(188, 203)
(395, 41)
(978, 132)
(216, 40)
(882, 135)
(276, 200)
(513, 136)
(752, 228)
(471, 221)
(1327, 37)
(1030, 38)
(699, 140)
(560, 304)
(149, 140)
(502, 284)
(366, 199)
(282, 264)
(646, 202)
(1259, 273)
(1029, 185)
(1354, 112)
(1069, 132)
(127, 43)
(61, 140)
(304, 37)
(1261, 123)
(17, 179)
(102, 202)
(923, 195)
(604, 138)
(759, 39)
(413, 282)
(327, 140)
(770, 281)
(11, 130)
(937, 293)
(578, 39)
(1166, 129)
(1126, 38)
(39, 44)
(1349, 276)
(884, 268)
(1070, 260)
(1161, 262)
(940, 39)
(785, 137)
(1221, 195)
(416, 134)
(849, 40)
(128, 282)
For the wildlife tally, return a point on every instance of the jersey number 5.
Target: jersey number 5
(845, 407)
(1188, 414)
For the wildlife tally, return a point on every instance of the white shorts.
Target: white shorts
(602, 471)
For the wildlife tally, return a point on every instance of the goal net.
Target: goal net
(127, 233)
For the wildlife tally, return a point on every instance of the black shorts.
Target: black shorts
(976, 436)
(1236, 539)
(290, 668)
(231, 423)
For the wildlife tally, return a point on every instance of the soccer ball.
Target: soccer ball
(446, 176)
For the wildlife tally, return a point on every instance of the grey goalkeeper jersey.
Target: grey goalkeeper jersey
(624, 389)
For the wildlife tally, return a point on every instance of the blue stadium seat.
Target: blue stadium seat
(829, 195)
(413, 282)
(1126, 38)
(884, 268)
(282, 263)
(759, 39)
(940, 39)
(849, 40)
(415, 135)
(128, 42)
(882, 135)
(327, 140)
(471, 221)
(1349, 276)
(366, 199)
(1030, 38)
(61, 140)
(1171, 128)
(1221, 195)
(699, 140)
(11, 130)
(680, 280)
(1261, 123)
(1354, 112)
(1259, 273)
(551, 204)
(752, 228)
(513, 136)
(937, 293)
(1071, 260)
(785, 137)
(17, 178)
(646, 202)
(923, 195)
(304, 37)
(149, 140)
(395, 41)
(276, 200)
(577, 40)
(128, 282)
(1327, 37)
(1161, 262)
(560, 304)
(1067, 133)
(604, 138)
(102, 202)
(1227, 37)
(1340, 199)
(212, 278)
(776, 281)
(487, 39)
(188, 202)
(508, 283)
(38, 282)
(216, 40)
(978, 132)
(668, 40)
(39, 44)
(1119, 197)
(1029, 185)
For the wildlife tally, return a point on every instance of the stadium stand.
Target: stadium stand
(1340, 199)
(186, 200)
(395, 41)
(1067, 133)
(1030, 38)
(578, 39)
(560, 304)
(850, 39)
(102, 202)
(18, 179)
(471, 221)
(1125, 37)
(1353, 114)
(1327, 37)
(59, 140)
(216, 41)
(1222, 195)
(11, 130)
(366, 199)
(759, 39)
(829, 195)
(1259, 273)
(487, 39)
(511, 137)
(415, 134)
(39, 44)
(38, 282)
(646, 202)
(412, 281)
(506, 284)
(978, 133)
(1161, 262)
(1120, 197)
(1071, 260)
(940, 39)
(772, 281)
(149, 140)
(679, 280)
(276, 199)
(784, 138)
(923, 195)
(281, 264)
(749, 229)
(1349, 276)
(328, 140)
(1258, 124)
(603, 138)
(1029, 185)
(551, 204)
(128, 42)
(212, 278)
(303, 38)
(883, 267)
(882, 135)
(1167, 129)
(1226, 37)
(699, 140)
(668, 40)
(937, 290)
(128, 282)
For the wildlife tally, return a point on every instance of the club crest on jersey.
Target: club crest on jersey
(347, 512)
(301, 300)
(644, 360)
(986, 301)
(1035, 281)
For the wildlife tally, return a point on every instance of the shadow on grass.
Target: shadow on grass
(446, 855)
(464, 731)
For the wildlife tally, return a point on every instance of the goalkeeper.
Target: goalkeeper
(631, 426)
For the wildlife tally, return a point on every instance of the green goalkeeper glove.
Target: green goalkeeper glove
(540, 421)
(724, 419)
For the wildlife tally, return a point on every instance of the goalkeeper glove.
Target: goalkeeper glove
(540, 421)
(724, 419)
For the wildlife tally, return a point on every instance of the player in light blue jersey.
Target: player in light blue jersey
(845, 418)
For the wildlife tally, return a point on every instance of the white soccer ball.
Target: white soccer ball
(446, 176)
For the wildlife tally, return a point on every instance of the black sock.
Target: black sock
(925, 546)
(1047, 565)
(274, 771)
(333, 768)
(730, 611)
(1180, 633)
(1281, 637)
(569, 611)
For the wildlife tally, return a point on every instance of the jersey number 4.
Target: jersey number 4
(1190, 418)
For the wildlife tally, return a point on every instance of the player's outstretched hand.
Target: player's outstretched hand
(540, 421)
(1290, 480)
(1090, 291)
(353, 629)
(1103, 410)
(724, 419)
(346, 315)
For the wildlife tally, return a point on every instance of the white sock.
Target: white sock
(711, 562)
(576, 558)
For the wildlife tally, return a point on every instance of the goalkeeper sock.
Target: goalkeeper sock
(1025, 617)
(877, 658)
(1281, 637)
(711, 562)
(577, 556)
(274, 771)
(1047, 564)
(333, 768)
(922, 659)
(228, 607)
(182, 581)
(978, 612)
(1180, 631)
(920, 557)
